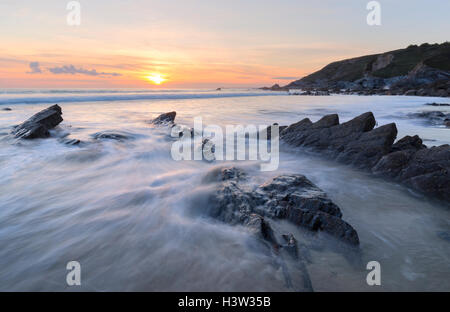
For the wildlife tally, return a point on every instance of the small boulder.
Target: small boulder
(165, 118)
(38, 125)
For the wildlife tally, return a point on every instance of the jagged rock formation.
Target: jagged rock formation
(38, 125)
(291, 197)
(357, 142)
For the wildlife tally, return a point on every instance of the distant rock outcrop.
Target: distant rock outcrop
(38, 125)
(417, 70)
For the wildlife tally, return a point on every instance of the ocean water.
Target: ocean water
(136, 219)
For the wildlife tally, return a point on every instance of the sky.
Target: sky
(197, 43)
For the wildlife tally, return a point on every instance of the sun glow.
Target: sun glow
(156, 78)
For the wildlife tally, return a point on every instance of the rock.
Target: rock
(233, 202)
(437, 104)
(426, 169)
(6, 109)
(292, 197)
(38, 125)
(352, 142)
(165, 118)
(357, 142)
(69, 141)
(112, 135)
(268, 131)
(261, 228)
(408, 143)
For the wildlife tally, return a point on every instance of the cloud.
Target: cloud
(34, 68)
(72, 70)
(285, 78)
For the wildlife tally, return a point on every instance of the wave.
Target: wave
(126, 96)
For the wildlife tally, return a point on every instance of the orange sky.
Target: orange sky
(196, 44)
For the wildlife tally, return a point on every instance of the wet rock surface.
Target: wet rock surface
(112, 135)
(357, 142)
(38, 125)
(6, 109)
(290, 197)
(437, 104)
(165, 118)
(286, 197)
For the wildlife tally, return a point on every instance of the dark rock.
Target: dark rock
(426, 170)
(353, 141)
(235, 203)
(291, 197)
(165, 118)
(408, 143)
(6, 109)
(112, 135)
(437, 104)
(393, 163)
(261, 228)
(357, 142)
(38, 125)
(268, 131)
(69, 141)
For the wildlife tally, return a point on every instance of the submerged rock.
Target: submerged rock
(358, 142)
(69, 141)
(165, 118)
(112, 135)
(38, 125)
(291, 197)
(437, 104)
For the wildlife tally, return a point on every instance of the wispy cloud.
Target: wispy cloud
(72, 70)
(35, 68)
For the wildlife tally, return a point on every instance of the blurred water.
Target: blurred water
(134, 218)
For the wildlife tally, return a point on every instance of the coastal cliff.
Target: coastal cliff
(417, 70)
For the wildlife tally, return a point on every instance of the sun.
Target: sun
(156, 78)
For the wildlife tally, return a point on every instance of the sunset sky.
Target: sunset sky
(199, 44)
